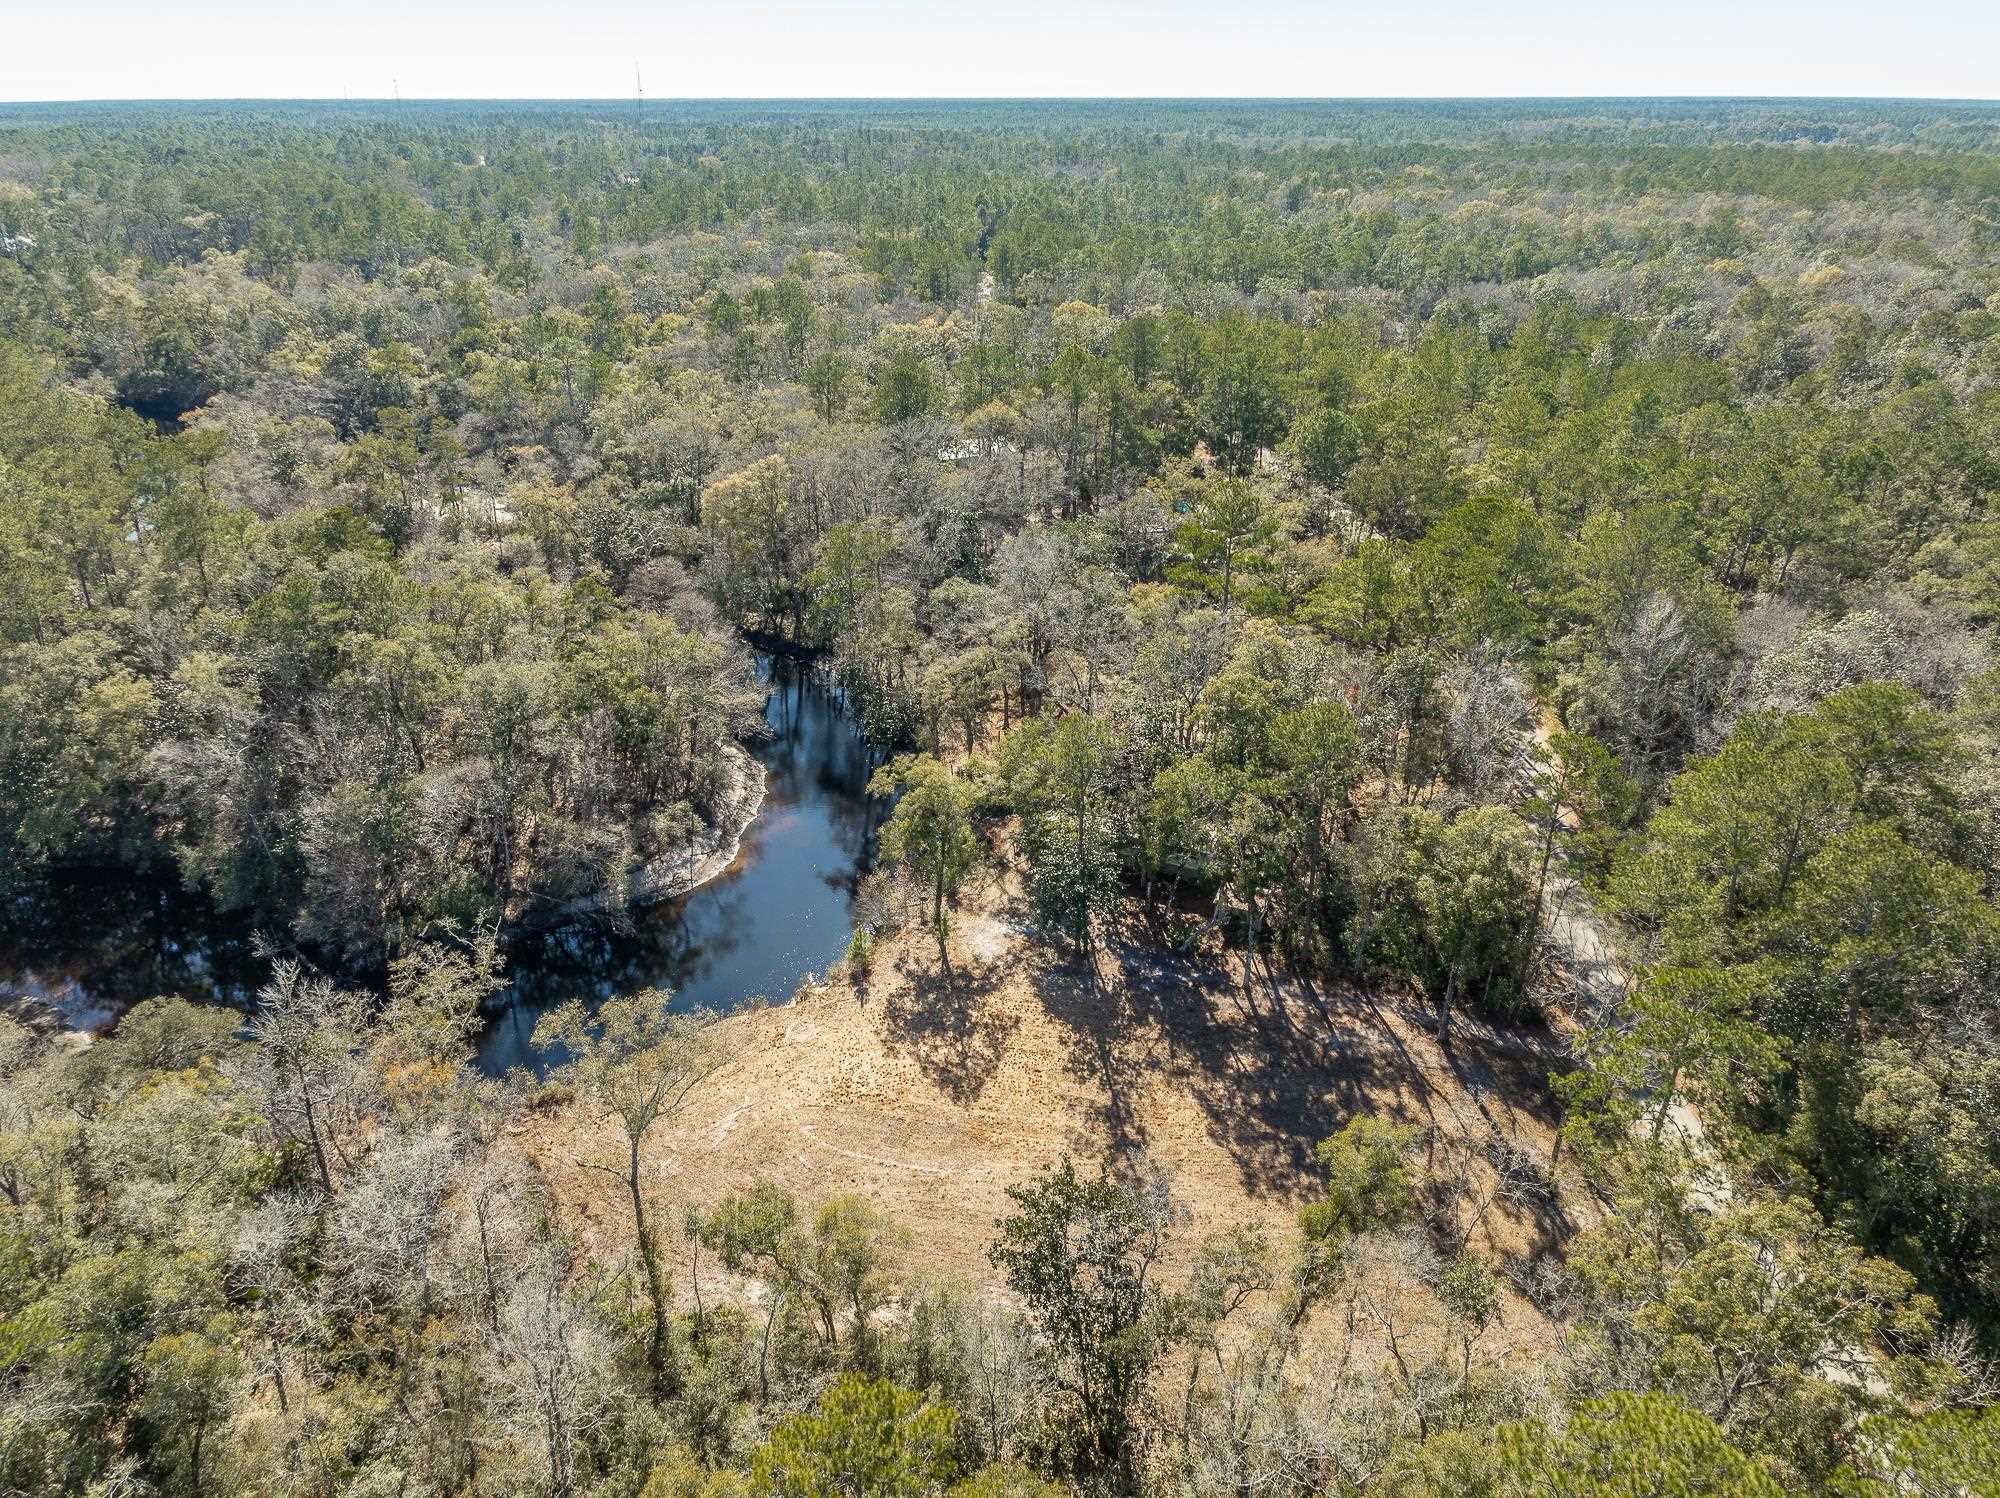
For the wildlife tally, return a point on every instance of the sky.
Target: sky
(194, 49)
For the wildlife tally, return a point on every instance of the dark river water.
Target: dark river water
(782, 912)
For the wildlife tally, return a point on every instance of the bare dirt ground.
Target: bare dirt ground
(929, 1090)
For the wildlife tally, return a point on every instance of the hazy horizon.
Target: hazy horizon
(664, 101)
(856, 50)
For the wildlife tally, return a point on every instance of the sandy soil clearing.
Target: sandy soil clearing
(929, 1090)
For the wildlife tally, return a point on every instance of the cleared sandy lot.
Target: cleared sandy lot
(929, 1089)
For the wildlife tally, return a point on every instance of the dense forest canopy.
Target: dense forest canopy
(1329, 539)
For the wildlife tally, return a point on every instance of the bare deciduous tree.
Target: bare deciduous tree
(308, 1038)
(639, 1063)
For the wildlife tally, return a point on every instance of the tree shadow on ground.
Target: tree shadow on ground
(942, 1016)
(1279, 1066)
(1113, 1057)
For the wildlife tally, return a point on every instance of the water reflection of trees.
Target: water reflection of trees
(783, 912)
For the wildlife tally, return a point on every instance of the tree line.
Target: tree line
(1340, 537)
